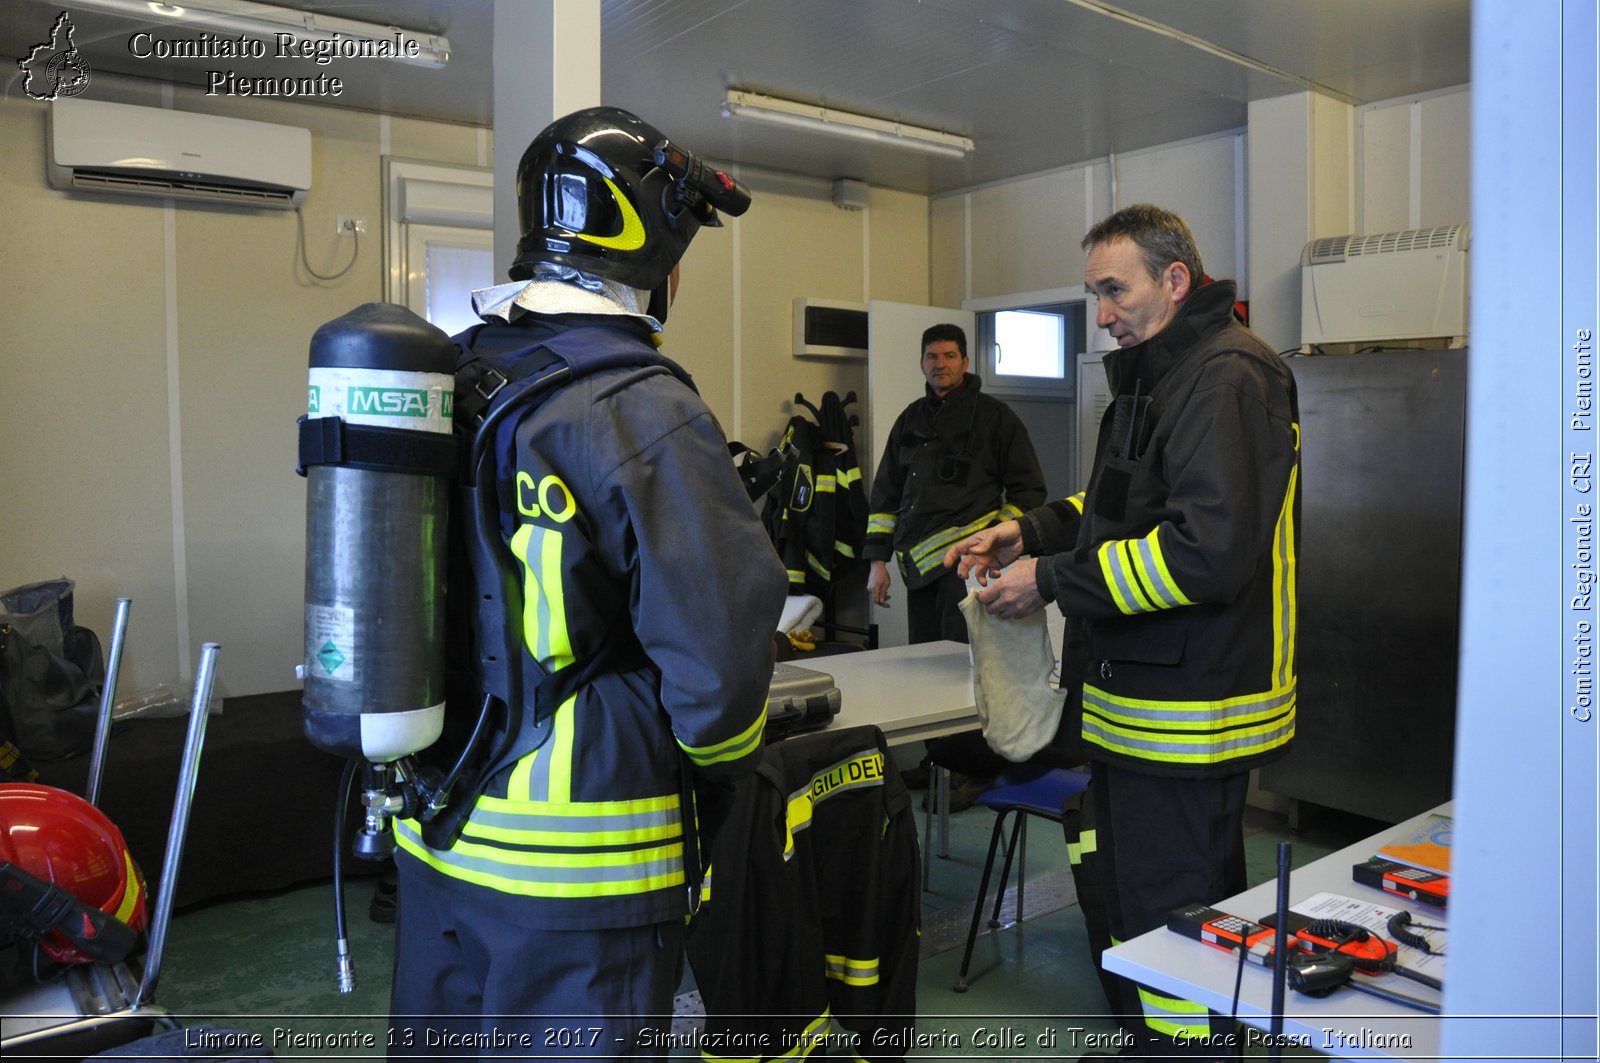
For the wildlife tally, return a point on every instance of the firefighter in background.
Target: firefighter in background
(554, 924)
(956, 460)
(1176, 571)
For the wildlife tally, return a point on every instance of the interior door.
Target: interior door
(894, 381)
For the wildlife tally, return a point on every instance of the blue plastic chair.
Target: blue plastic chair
(1022, 793)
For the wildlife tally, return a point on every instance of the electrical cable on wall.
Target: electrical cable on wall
(300, 226)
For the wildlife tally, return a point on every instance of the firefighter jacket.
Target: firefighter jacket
(1176, 567)
(811, 922)
(951, 467)
(626, 520)
(817, 513)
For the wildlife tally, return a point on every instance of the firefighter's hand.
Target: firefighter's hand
(1013, 593)
(987, 552)
(878, 583)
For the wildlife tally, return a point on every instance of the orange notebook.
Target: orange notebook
(1427, 847)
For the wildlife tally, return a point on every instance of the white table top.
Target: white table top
(1346, 1024)
(911, 693)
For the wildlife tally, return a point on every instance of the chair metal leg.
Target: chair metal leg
(977, 905)
(1005, 869)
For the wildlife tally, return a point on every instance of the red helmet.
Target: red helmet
(62, 840)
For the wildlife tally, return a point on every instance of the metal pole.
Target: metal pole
(108, 698)
(1280, 955)
(199, 709)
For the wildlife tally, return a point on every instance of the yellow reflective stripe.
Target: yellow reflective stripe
(551, 874)
(854, 772)
(825, 483)
(850, 971)
(132, 893)
(1174, 1016)
(797, 575)
(1076, 501)
(848, 477)
(1200, 715)
(843, 549)
(817, 566)
(739, 745)
(808, 1039)
(1151, 565)
(591, 823)
(1210, 748)
(1119, 579)
(631, 238)
(1010, 512)
(1087, 843)
(929, 553)
(1285, 607)
(881, 523)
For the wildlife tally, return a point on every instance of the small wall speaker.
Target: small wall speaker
(849, 194)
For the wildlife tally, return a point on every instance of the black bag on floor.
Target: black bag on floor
(51, 672)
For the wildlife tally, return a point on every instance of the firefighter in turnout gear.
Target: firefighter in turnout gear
(639, 569)
(1176, 571)
(956, 461)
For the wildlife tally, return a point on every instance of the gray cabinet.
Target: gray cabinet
(1381, 472)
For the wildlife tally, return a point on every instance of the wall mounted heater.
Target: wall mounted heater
(824, 329)
(1390, 288)
(149, 151)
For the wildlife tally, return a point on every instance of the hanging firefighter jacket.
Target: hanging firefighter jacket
(813, 907)
(817, 513)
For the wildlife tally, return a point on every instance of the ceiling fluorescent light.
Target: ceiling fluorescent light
(829, 120)
(302, 27)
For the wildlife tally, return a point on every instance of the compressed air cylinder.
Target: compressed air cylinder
(377, 515)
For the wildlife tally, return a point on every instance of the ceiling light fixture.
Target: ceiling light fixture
(828, 120)
(266, 21)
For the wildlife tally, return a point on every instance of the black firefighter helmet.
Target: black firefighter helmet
(603, 192)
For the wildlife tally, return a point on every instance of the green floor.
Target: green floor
(267, 965)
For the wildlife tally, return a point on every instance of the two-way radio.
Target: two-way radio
(1413, 883)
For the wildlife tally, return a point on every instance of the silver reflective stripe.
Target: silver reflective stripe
(1200, 749)
(852, 972)
(554, 868)
(1185, 715)
(1165, 595)
(569, 825)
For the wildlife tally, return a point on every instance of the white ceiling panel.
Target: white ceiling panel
(1037, 84)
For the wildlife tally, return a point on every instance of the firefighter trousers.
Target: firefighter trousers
(1140, 846)
(468, 985)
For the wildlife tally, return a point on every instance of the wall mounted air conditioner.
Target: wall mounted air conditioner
(148, 151)
(824, 329)
(1400, 286)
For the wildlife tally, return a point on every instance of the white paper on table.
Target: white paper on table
(1375, 917)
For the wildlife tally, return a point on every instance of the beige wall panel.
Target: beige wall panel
(700, 329)
(1197, 179)
(1278, 161)
(249, 309)
(1385, 139)
(1025, 234)
(410, 138)
(795, 242)
(1332, 167)
(85, 487)
(947, 252)
(898, 252)
(1446, 182)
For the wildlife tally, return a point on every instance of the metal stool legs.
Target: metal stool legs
(1019, 827)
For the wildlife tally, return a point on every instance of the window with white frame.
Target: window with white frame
(438, 238)
(1027, 345)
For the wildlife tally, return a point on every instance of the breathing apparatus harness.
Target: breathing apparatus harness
(493, 394)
